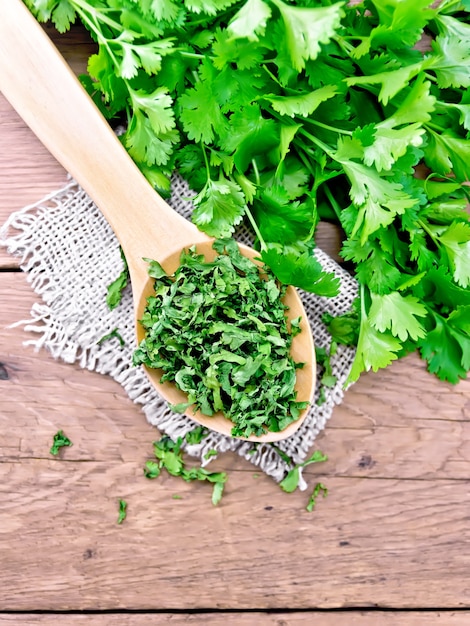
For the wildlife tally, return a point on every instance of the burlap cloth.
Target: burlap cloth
(71, 255)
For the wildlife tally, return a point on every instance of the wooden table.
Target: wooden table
(389, 545)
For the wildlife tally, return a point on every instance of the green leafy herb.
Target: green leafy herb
(122, 511)
(292, 478)
(279, 114)
(169, 455)
(114, 334)
(319, 488)
(218, 330)
(196, 435)
(115, 289)
(59, 441)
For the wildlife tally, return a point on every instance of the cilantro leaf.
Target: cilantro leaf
(451, 62)
(146, 146)
(298, 266)
(404, 128)
(250, 21)
(446, 152)
(378, 200)
(343, 328)
(113, 334)
(401, 23)
(303, 104)
(398, 314)
(200, 113)
(456, 240)
(392, 81)
(443, 350)
(219, 207)
(281, 220)
(307, 28)
(375, 349)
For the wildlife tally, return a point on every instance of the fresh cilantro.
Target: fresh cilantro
(343, 328)
(122, 511)
(281, 113)
(218, 330)
(59, 441)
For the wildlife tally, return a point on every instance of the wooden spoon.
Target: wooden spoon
(41, 87)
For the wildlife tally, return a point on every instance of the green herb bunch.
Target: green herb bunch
(218, 330)
(283, 113)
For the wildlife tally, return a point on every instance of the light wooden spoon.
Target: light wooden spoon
(41, 87)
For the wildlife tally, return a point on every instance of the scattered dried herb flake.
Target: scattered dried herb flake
(59, 441)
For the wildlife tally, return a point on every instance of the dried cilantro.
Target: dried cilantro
(60, 440)
(169, 456)
(317, 490)
(122, 511)
(218, 330)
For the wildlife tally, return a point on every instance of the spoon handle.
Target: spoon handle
(47, 95)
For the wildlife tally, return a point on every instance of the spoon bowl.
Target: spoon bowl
(47, 95)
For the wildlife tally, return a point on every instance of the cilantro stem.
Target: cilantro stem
(206, 161)
(362, 290)
(254, 225)
(428, 231)
(95, 18)
(90, 19)
(332, 200)
(334, 129)
(271, 75)
(444, 6)
(344, 44)
(317, 142)
(256, 171)
(191, 55)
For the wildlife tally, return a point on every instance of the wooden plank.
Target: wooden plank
(380, 542)
(379, 431)
(336, 618)
(385, 536)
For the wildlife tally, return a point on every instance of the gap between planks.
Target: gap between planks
(308, 618)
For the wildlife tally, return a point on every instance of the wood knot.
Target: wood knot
(366, 462)
(3, 372)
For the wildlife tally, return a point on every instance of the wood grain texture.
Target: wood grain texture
(259, 549)
(393, 531)
(255, 618)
